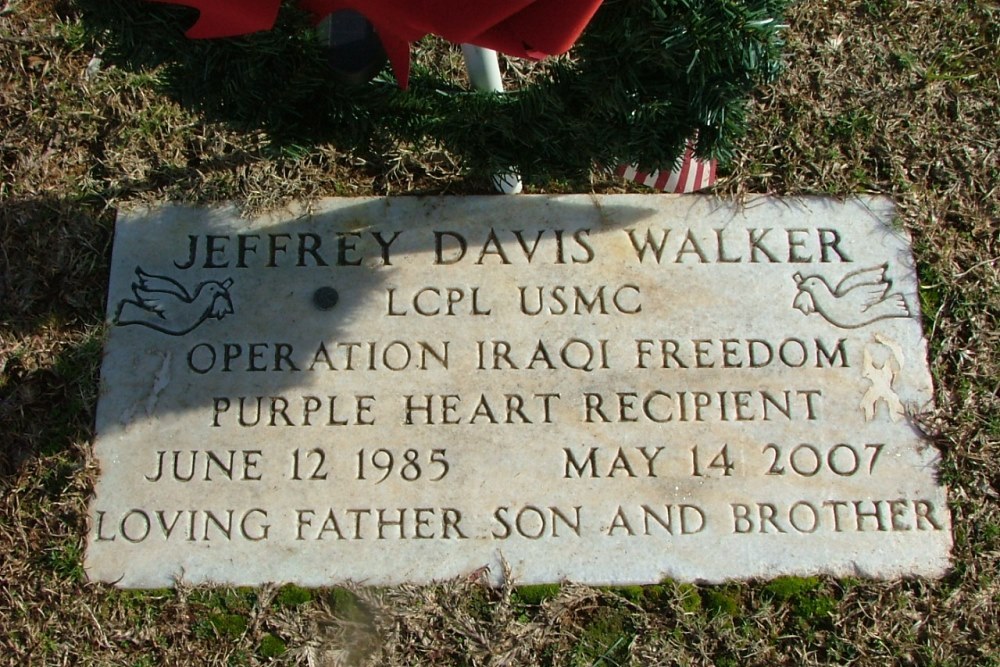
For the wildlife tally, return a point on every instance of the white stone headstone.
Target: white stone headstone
(604, 389)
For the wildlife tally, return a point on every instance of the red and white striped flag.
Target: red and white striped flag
(690, 175)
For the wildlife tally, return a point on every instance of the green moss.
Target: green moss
(656, 595)
(689, 599)
(788, 588)
(807, 603)
(139, 602)
(537, 594)
(291, 595)
(271, 646)
(347, 605)
(664, 594)
(605, 640)
(342, 599)
(233, 600)
(241, 599)
(228, 626)
(815, 609)
(724, 600)
(631, 593)
(228, 609)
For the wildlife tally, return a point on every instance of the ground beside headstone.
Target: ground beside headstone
(604, 389)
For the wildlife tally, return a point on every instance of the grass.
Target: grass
(881, 96)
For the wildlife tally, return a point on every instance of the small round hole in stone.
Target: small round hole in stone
(325, 298)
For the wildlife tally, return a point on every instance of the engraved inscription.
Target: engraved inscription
(860, 298)
(606, 389)
(165, 305)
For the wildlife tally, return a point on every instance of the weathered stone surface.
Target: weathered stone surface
(600, 389)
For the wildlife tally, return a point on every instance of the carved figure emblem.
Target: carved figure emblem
(163, 304)
(860, 298)
(881, 378)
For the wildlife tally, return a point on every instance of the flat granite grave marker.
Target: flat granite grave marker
(605, 389)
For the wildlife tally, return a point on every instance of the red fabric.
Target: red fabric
(525, 28)
(226, 18)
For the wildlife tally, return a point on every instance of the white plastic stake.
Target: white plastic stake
(484, 72)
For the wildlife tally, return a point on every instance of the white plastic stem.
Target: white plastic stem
(484, 72)
(483, 67)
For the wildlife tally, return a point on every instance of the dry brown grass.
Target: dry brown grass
(892, 96)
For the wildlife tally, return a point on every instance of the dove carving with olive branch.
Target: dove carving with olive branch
(860, 298)
(163, 304)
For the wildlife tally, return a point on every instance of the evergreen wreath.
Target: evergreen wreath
(644, 78)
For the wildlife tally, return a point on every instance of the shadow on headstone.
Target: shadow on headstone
(55, 274)
(245, 297)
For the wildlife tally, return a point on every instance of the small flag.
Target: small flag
(690, 175)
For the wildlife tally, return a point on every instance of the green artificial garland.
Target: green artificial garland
(646, 76)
